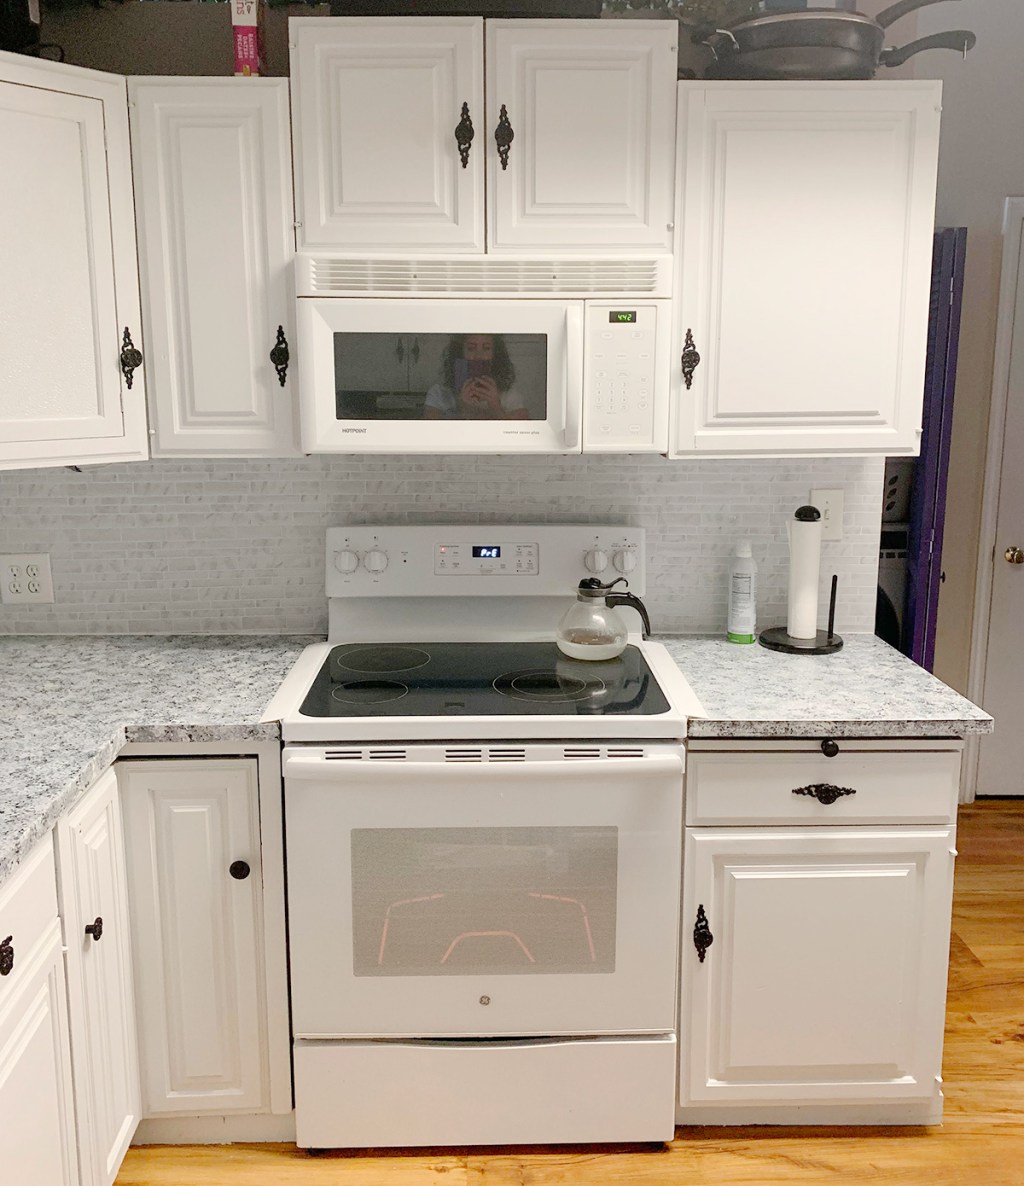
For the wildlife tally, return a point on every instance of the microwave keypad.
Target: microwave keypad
(621, 376)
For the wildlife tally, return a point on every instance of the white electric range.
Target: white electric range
(483, 846)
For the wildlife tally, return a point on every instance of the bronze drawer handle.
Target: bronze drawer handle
(824, 792)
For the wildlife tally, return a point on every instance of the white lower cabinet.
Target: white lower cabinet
(94, 910)
(37, 1117)
(814, 958)
(192, 830)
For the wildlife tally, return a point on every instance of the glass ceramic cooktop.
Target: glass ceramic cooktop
(479, 679)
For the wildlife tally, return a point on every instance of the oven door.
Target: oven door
(447, 899)
(441, 376)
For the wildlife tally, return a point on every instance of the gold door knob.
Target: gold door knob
(1014, 555)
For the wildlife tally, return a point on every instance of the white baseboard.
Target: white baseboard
(215, 1130)
(924, 1112)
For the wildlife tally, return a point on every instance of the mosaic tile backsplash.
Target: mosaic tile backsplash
(229, 547)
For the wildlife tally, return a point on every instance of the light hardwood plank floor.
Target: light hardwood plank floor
(981, 1142)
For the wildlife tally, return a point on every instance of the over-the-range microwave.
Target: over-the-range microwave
(457, 354)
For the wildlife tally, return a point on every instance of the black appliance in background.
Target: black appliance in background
(19, 26)
(914, 504)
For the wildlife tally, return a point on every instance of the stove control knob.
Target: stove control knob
(346, 561)
(375, 561)
(595, 560)
(624, 561)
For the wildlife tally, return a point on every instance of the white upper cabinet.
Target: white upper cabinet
(803, 257)
(214, 209)
(591, 113)
(70, 277)
(393, 138)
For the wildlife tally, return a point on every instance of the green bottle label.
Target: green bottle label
(739, 637)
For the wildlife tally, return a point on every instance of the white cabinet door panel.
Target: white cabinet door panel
(591, 109)
(825, 980)
(70, 281)
(100, 999)
(37, 1117)
(805, 221)
(213, 180)
(197, 932)
(375, 106)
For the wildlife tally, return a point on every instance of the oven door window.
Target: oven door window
(495, 901)
(440, 376)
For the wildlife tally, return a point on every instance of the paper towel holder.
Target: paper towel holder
(824, 642)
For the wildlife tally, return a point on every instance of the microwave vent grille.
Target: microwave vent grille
(496, 277)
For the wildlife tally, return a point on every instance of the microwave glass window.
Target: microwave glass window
(392, 376)
(496, 901)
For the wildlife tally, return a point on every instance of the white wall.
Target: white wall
(981, 163)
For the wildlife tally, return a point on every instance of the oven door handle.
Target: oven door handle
(316, 768)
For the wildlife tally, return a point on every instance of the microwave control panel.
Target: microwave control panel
(625, 377)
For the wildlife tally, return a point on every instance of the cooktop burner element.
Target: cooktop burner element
(382, 659)
(368, 691)
(549, 686)
(451, 679)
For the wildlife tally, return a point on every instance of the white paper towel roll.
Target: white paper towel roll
(804, 563)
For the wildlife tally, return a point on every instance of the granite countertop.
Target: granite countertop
(867, 689)
(68, 704)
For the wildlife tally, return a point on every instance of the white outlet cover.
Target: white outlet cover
(25, 579)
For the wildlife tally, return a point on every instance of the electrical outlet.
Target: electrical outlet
(26, 579)
(830, 503)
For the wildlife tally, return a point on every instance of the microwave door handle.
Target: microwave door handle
(573, 377)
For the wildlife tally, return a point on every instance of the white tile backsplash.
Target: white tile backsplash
(218, 547)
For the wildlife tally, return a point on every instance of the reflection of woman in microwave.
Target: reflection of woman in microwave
(476, 383)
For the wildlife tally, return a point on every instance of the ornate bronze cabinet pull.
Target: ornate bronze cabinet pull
(464, 134)
(6, 956)
(702, 936)
(131, 358)
(690, 359)
(279, 356)
(95, 929)
(503, 136)
(824, 792)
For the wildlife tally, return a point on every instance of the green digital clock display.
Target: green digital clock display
(622, 316)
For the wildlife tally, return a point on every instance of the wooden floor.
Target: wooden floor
(980, 1144)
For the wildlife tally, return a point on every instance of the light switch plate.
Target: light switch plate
(830, 503)
(25, 579)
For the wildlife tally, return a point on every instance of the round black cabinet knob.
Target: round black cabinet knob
(239, 870)
(829, 747)
(95, 929)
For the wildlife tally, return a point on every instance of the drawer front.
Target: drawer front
(762, 787)
(28, 908)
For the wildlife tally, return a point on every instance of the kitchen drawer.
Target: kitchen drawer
(28, 912)
(759, 785)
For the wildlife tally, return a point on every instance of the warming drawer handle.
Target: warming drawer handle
(310, 767)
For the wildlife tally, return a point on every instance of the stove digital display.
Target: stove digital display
(486, 552)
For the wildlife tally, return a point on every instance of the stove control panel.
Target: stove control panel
(504, 560)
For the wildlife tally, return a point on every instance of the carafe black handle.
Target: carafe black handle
(634, 602)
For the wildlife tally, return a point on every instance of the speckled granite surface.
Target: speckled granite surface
(865, 690)
(68, 704)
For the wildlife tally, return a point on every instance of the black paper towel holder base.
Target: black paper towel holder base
(824, 642)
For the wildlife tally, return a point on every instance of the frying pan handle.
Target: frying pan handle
(958, 39)
(893, 13)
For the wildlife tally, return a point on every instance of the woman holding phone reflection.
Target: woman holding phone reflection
(476, 383)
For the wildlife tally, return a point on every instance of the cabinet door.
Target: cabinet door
(214, 209)
(376, 104)
(70, 276)
(591, 109)
(803, 265)
(826, 977)
(93, 894)
(195, 888)
(37, 1119)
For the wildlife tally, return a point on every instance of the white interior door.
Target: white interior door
(70, 281)
(1000, 600)
(429, 898)
(375, 105)
(590, 107)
